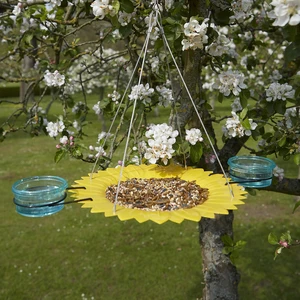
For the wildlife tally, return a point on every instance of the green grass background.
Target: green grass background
(78, 255)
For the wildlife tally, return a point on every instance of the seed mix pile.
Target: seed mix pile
(158, 194)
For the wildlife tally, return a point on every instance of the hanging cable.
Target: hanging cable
(193, 102)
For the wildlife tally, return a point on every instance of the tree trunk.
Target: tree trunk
(220, 275)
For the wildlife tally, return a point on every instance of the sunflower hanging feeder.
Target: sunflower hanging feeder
(217, 201)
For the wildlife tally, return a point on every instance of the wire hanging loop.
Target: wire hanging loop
(165, 41)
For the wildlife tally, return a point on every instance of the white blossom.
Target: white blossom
(196, 35)
(278, 172)
(97, 108)
(103, 135)
(115, 96)
(64, 140)
(100, 151)
(17, 9)
(101, 8)
(234, 128)
(141, 92)
(161, 137)
(76, 125)
(154, 61)
(125, 18)
(230, 81)
(241, 9)
(193, 136)
(54, 79)
(165, 94)
(285, 12)
(219, 47)
(135, 160)
(168, 4)
(54, 129)
(275, 76)
(289, 114)
(236, 105)
(277, 91)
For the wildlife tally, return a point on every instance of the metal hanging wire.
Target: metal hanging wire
(154, 19)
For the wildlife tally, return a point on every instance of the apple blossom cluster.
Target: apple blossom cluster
(101, 8)
(278, 172)
(65, 142)
(210, 158)
(193, 136)
(124, 18)
(169, 4)
(114, 96)
(241, 9)
(54, 129)
(219, 47)
(277, 91)
(52, 4)
(97, 108)
(141, 92)
(195, 35)
(230, 81)
(236, 105)
(165, 94)
(289, 114)
(234, 128)
(96, 152)
(54, 79)
(78, 107)
(161, 138)
(285, 12)
(17, 9)
(103, 135)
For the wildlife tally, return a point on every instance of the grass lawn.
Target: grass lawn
(78, 255)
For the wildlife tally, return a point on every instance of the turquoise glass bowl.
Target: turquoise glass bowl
(251, 171)
(39, 196)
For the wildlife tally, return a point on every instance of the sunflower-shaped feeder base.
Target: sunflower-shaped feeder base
(158, 193)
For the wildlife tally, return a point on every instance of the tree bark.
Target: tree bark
(220, 275)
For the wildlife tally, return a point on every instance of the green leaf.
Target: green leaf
(280, 106)
(272, 239)
(296, 206)
(227, 240)
(60, 153)
(286, 237)
(116, 5)
(170, 21)
(244, 96)
(125, 31)
(297, 159)
(127, 6)
(246, 124)
(282, 141)
(227, 250)
(196, 152)
(243, 113)
(220, 97)
(292, 52)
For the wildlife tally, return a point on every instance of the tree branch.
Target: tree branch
(289, 186)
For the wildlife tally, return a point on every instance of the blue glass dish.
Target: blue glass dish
(251, 171)
(39, 196)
